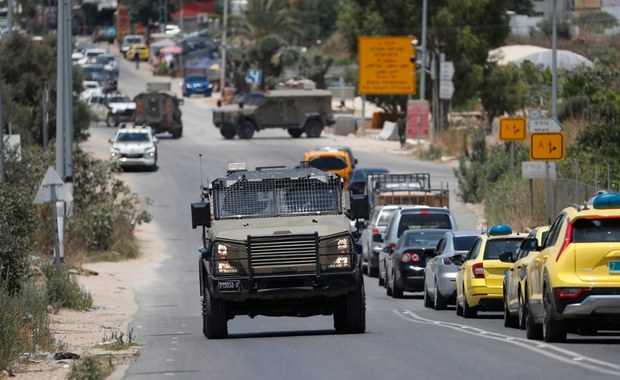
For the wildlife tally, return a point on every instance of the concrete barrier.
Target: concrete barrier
(389, 132)
(345, 124)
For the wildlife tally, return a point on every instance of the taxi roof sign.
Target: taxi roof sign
(512, 128)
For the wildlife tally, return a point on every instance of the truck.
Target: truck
(405, 189)
(160, 109)
(278, 241)
(298, 111)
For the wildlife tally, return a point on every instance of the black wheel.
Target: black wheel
(440, 302)
(553, 330)
(214, 320)
(372, 272)
(228, 133)
(397, 290)
(532, 330)
(459, 309)
(381, 279)
(428, 302)
(295, 132)
(388, 288)
(522, 313)
(177, 133)
(365, 269)
(509, 320)
(313, 128)
(352, 317)
(245, 130)
(468, 311)
(185, 94)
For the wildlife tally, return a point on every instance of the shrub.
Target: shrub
(91, 368)
(63, 290)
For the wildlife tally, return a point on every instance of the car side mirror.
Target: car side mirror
(530, 244)
(111, 141)
(458, 259)
(359, 206)
(388, 250)
(156, 139)
(506, 257)
(201, 214)
(376, 238)
(360, 225)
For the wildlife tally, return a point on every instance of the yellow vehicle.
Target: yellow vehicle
(515, 281)
(333, 161)
(480, 277)
(574, 282)
(143, 52)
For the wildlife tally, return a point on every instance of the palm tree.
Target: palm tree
(266, 17)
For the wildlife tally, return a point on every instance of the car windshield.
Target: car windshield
(133, 40)
(463, 243)
(133, 137)
(596, 230)
(196, 78)
(89, 70)
(421, 239)
(411, 221)
(359, 175)
(328, 163)
(495, 247)
(105, 59)
(384, 217)
(118, 99)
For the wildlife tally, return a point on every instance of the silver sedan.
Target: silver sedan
(440, 272)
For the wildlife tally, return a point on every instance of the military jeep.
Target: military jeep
(297, 111)
(161, 111)
(278, 242)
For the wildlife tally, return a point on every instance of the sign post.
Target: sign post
(385, 66)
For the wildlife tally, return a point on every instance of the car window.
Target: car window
(463, 243)
(554, 231)
(415, 221)
(496, 246)
(132, 137)
(475, 250)
(423, 239)
(385, 216)
(596, 230)
(440, 246)
(328, 163)
(196, 78)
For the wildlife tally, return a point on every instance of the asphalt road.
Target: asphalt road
(403, 339)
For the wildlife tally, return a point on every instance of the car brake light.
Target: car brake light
(569, 293)
(477, 270)
(375, 231)
(424, 212)
(567, 240)
(410, 258)
(393, 246)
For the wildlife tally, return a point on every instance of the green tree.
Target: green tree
(314, 66)
(503, 90)
(317, 19)
(143, 11)
(357, 19)
(596, 22)
(522, 7)
(261, 55)
(264, 18)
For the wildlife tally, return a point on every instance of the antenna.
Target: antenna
(202, 186)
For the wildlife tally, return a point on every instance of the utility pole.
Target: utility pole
(223, 65)
(1, 131)
(423, 77)
(549, 190)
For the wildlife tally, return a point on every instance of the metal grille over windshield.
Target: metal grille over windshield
(274, 197)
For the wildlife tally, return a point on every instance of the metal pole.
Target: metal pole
(1, 130)
(60, 114)
(9, 17)
(46, 100)
(554, 105)
(423, 77)
(223, 65)
(363, 124)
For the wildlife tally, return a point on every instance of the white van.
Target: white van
(129, 40)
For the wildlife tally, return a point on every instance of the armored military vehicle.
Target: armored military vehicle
(279, 242)
(296, 110)
(160, 109)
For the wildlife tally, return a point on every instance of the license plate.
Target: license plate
(614, 267)
(228, 286)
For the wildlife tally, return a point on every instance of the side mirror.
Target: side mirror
(388, 250)
(530, 244)
(376, 238)
(156, 139)
(359, 206)
(458, 259)
(360, 225)
(201, 214)
(506, 257)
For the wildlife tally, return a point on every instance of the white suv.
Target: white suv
(134, 146)
(128, 41)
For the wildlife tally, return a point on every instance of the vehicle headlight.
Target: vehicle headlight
(338, 252)
(188, 85)
(150, 152)
(114, 152)
(227, 257)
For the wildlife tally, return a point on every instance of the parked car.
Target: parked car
(575, 276)
(380, 215)
(357, 184)
(441, 269)
(143, 51)
(128, 41)
(196, 84)
(90, 88)
(480, 277)
(134, 145)
(404, 264)
(406, 218)
(108, 61)
(333, 161)
(515, 279)
(90, 56)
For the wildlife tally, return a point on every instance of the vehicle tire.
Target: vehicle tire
(427, 297)
(509, 320)
(553, 330)
(214, 320)
(440, 302)
(185, 94)
(522, 313)
(177, 133)
(468, 311)
(459, 309)
(388, 289)
(340, 321)
(355, 311)
(397, 290)
(228, 133)
(245, 130)
(372, 272)
(295, 132)
(364, 269)
(313, 128)
(110, 121)
(532, 330)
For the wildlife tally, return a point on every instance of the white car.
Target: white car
(134, 146)
(90, 56)
(76, 56)
(91, 88)
(120, 109)
(108, 61)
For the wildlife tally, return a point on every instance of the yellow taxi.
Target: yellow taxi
(333, 161)
(480, 277)
(574, 282)
(515, 280)
(143, 52)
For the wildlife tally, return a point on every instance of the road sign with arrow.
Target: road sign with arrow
(546, 146)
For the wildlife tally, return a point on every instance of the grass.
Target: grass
(120, 341)
(64, 291)
(91, 368)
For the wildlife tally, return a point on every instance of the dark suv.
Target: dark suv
(416, 217)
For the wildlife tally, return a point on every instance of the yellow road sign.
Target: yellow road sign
(384, 66)
(546, 146)
(512, 128)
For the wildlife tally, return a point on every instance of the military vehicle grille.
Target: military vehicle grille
(276, 251)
